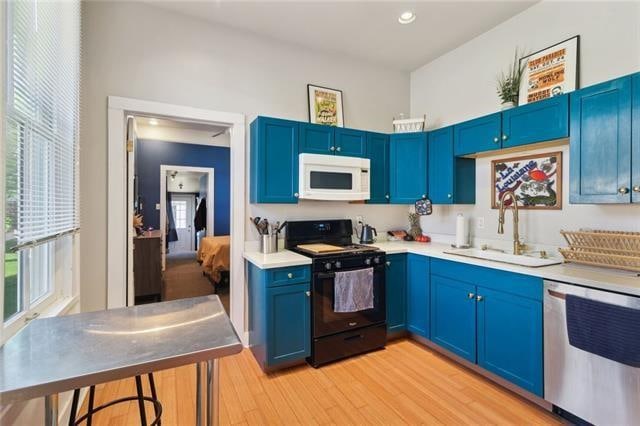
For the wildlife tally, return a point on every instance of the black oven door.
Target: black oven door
(326, 321)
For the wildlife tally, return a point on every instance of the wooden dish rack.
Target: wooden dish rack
(609, 249)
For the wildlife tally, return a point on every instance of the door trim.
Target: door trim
(210, 172)
(118, 223)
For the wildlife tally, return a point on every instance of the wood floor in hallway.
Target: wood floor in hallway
(404, 384)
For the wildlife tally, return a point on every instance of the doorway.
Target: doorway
(119, 293)
(183, 210)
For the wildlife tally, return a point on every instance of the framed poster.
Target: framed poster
(325, 106)
(550, 72)
(536, 180)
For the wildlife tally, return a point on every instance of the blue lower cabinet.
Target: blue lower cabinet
(279, 316)
(418, 282)
(453, 316)
(510, 338)
(396, 292)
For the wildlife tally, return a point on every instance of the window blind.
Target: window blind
(42, 113)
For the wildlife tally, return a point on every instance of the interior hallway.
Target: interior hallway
(183, 278)
(403, 384)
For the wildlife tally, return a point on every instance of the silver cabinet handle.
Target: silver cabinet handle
(387, 196)
(308, 293)
(479, 298)
(504, 137)
(290, 275)
(338, 149)
(449, 195)
(470, 295)
(636, 188)
(333, 148)
(296, 195)
(424, 196)
(388, 263)
(496, 140)
(623, 190)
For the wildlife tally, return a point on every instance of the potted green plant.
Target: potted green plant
(509, 83)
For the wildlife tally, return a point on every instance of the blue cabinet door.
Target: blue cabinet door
(440, 166)
(407, 167)
(510, 338)
(418, 283)
(536, 122)
(316, 139)
(600, 143)
(350, 143)
(396, 292)
(274, 161)
(478, 135)
(453, 316)
(635, 143)
(288, 318)
(378, 154)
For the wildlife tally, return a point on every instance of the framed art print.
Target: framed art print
(325, 106)
(536, 180)
(550, 72)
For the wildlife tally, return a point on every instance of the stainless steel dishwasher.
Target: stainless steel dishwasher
(596, 389)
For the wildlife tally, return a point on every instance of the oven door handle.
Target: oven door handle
(326, 275)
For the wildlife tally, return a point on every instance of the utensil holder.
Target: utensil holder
(269, 243)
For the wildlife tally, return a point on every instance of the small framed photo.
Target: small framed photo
(325, 106)
(550, 72)
(536, 181)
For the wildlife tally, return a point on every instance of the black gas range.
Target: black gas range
(337, 335)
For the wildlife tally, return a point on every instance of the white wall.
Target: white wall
(137, 50)
(461, 85)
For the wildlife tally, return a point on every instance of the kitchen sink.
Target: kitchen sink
(496, 256)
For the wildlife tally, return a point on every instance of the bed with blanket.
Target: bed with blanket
(214, 256)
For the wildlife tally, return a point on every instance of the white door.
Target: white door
(131, 203)
(183, 209)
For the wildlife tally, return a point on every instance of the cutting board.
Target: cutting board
(320, 248)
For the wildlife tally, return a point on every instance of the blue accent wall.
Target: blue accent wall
(151, 154)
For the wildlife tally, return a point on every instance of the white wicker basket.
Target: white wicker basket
(408, 125)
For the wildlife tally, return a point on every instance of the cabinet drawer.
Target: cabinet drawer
(509, 282)
(292, 275)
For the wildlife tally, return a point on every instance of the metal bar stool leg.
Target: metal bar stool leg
(143, 414)
(154, 395)
(74, 408)
(92, 395)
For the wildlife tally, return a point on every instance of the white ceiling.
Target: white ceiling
(367, 30)
(190, 181)
(171, 130)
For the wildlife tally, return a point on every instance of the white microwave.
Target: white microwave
(333, 177)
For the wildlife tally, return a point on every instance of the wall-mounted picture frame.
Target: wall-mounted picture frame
(536, 180)
(550, 72)
(325, 106)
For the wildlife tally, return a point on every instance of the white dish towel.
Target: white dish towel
(353, 290)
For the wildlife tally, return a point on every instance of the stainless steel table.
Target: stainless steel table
(54, 355)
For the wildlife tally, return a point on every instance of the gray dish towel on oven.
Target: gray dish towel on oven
(353, 290)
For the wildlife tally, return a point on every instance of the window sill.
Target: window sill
(59, 307)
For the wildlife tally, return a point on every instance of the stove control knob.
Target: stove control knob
(367, 261)
(338, 264)
(376, 260)
(327, 266)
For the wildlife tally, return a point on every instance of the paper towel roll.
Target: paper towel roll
(462, 231)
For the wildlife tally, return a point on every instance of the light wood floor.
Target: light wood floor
(404, 384)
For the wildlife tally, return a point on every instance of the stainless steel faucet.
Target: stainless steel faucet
(518, 247)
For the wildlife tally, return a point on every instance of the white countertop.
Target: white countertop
(602, 278)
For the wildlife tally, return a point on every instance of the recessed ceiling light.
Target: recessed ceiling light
(153, 121)
(407, 17)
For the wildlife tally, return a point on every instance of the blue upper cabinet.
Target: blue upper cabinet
(478, 135)
(274, 160)
(396, 292)
(536, 122)
(418, 283)
(451, 180)
(407, 167)
(453, 316)
(635, 143)
(600, 169)
(350, 142)
(378, 154)
(510, 338)
(316, 139)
